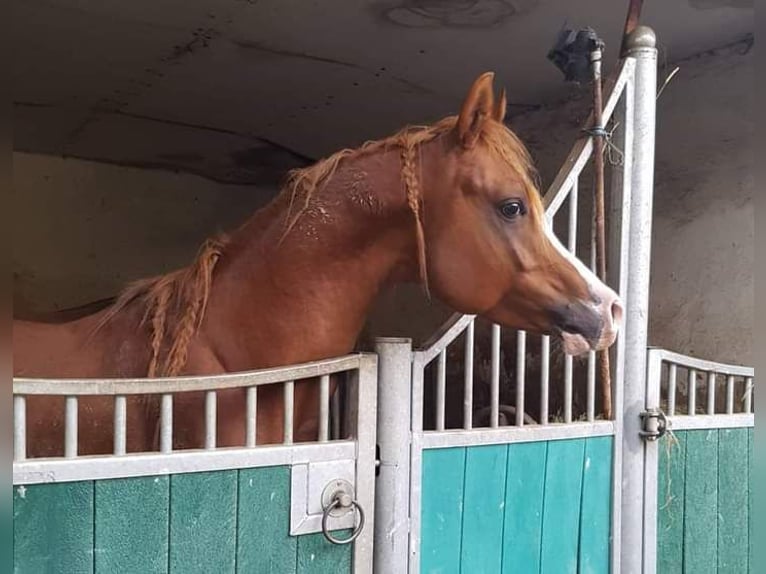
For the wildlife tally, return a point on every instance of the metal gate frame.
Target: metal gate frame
(400, 433)
(313, 464)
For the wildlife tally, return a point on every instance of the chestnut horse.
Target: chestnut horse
(453, 205)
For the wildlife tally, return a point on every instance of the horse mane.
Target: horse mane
(175, 303)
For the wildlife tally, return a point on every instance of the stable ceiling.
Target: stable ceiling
(240, 90)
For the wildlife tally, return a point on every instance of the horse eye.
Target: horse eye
(511, 209)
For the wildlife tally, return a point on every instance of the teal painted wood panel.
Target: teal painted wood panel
(53, 528)
(732, 501)
(203, 510)
(522, 531)
(750, 496)
(264, 544)
(318, 556)
(561, 507)
(443, 474)
(596, 506)
(671, 479)
(481, 548)
(131, 530)
(700, 512)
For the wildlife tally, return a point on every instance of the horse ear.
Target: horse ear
(500, 107)
(477, 107)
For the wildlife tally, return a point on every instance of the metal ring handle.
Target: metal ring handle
(357, 531)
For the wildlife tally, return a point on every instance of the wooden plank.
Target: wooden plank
(671, 478)
(522, 531)
(750, 496)
(441, 510)
(700, 512)
(483, 509)
(318, 556)
(53, 528)
(131, 533)
(596, 506)
(203, 509)
(561, 506)
(264, 543)
(732, 500)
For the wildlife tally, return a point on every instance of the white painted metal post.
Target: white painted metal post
(641, 46)
(392, 500)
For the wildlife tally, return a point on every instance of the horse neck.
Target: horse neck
(283, 299)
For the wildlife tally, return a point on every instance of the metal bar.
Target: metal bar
(137, 386)
(120, 424)
(468, 377)
(211, 422)
(692, 392)
(545, 369)
(591, 387)
(416, 459)
(636, 552)
(672, 379)
(503, 435)
(70, 428)
(736, 420)
(568, 369)
(521, 355)
(393, 428)
(711, 393)
(730, 394)
(441, 389)
(703, 365)
(36, 471)
(572, 225)
(19, 428)
(166, 423)
(749, 395)
(251, 426)
(336, 413)
(447, 333)
(324, 408)
(494, 419)
(289, 400)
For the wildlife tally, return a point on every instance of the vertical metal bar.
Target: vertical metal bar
(749, 395)
(289, 399)
(468, 380)
(494, 418)
(591, 387)
(120, 424)
(210, 419)
(19, 427)
(251, 427)
(441, 388)
(416, 461)
(166, 423)
(711, 393)
(365, 386)
(521, 356)
(572, 226)
(638, 550)
(568, 388)
(672, 379)
(730, 394)
(692, 392)
(324, 408)
(545, 370)
(70, 427)
(336, 413)
(392, 485)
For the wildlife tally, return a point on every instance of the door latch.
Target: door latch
(654, 424)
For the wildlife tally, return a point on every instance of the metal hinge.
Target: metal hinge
(654, 424)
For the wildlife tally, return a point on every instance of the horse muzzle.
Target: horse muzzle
(589, 326)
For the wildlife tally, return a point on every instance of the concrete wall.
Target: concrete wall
(84, 228)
